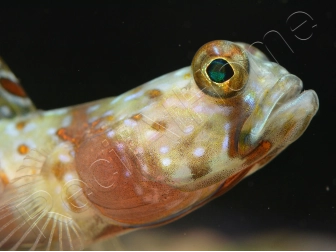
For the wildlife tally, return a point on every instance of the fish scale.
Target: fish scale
(72, 176)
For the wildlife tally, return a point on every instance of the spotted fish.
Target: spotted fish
(72, 176)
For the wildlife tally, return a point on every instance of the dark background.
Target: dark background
(66, 56)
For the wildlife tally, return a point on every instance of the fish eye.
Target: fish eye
(220, 69)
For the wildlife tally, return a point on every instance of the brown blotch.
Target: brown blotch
(20, 125)
(12, 87)
(159, 126)
(199, 170)
(137, 117)
(154, 93)
(23, 149)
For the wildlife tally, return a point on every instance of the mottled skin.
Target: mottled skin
(148, 156)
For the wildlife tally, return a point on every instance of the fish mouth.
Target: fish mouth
(281, 107)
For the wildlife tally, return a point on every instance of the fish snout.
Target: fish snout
(275, 107)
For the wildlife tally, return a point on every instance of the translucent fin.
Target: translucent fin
(13, 99)
(30, 218)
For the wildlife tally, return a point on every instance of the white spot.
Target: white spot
(66, 121)
(198, 152)
(5, 110)
(108, 113)
(120, 146)
(68, 177)
(249, 99)
(64, 158)
(227, 127)
(164, 149)
(139, 150)
(51, 131)
(151, 134)
(29, 127)
(130, 123)
(188, 129)
(144, 168)
(283, 71)
(166, 161)
(11, 130)
(61, 111)
(198, 109)
(92, 119)
(92, 108)
(110, 134)
(207, 110)
(58, 189)
(138, 189)
(127, 173)
(133, 96)
(182, 174)
(225, 144)
(115, 100)
(181, 72)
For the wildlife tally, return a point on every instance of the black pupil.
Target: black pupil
(219, 70)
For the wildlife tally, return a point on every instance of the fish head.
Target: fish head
(237, 111)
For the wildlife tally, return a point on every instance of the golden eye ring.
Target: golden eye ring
(220, 69)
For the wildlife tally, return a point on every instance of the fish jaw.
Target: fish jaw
(281, 110)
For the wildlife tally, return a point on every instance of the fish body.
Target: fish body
(74, 175)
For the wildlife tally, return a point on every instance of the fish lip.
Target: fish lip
(286, 89)
(294, 88)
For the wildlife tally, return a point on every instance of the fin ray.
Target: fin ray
(30, 218)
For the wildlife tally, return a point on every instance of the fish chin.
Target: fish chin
(282, 114)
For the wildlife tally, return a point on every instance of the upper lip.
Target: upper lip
(284, 90)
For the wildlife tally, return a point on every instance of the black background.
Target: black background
(66, 56)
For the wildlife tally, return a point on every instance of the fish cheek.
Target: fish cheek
(102, 167)
(118, 190)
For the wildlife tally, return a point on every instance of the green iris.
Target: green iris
(219, 70)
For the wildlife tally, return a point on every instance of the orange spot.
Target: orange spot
(136, 117)
(186, 76)
(58, 170)
(110, 118)
(258, 152)
(61, 133)
(12, 87)
(23, 149)
(154, 93)
(20, 125)
(4, 178)
(159, 126)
